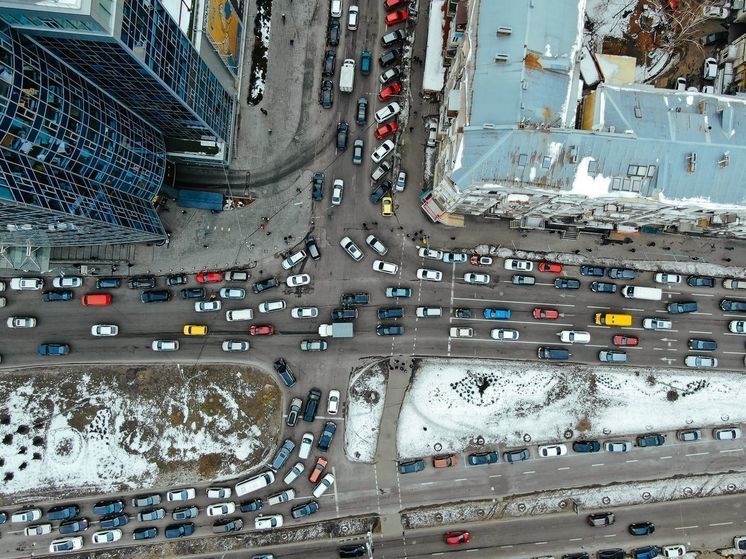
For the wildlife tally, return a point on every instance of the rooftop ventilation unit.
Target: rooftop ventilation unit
(501, 57)
(504, 30)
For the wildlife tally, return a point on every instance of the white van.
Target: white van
(638, 292)
(255, 483)
(239, 314)
(429, 312)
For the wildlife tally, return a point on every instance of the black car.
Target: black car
(108, 283)
(287, 376)
(380, 191)
(179, 530)
(63, 512)
(142, 282)
(327, 436)
(108, 507)
(317, 186)
(326, 94)
(682, 307)
(611, 554)
(700, 281)
(343, 130)
(343, 314)
(312, 247)
(113, 521)
(332, 32)
(312, 404)
(697, 344)
(362, 111)
(641, 528)
(622, 273)
(732, 305)
(263, 285)
(463, 313)
(354, 550)
(567, 283)
(650, 439)
(330, 61)
(176, 279)
(145, 533)
(355, 299)
(586, 446)
(596, 271)
(603, 287)
(252, 506)
(74, 526)
(193, 293)
(304, 510)
(390, 57)
(59, 295)
(155, 296)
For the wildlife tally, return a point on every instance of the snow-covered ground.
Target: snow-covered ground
(365, 400)
(451, 403)
(107, 429)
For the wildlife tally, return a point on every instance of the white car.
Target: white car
(477, 278)
(294, 259)
(710, 70)
(297, 280)
(656, 324)
(62, 545)
(268, 521)
(235, 345)
(385, 267)
(185, 494)
(306, 443)
(520, 265)
(332, 404)
(294, 472)
(430, 253)
(390, 110)
(701, 361)
(165, 345)
(337, 191)
(67, 281)
(232, 293)
(382, 151)
(26, 284)
(324, 484)
(677, 550)
(21, 322)
(664, 277)
(26, 515)
(107, 536)
(207, 306)
(461, 332)
(219, 492)
(737, 326)
(429, 275)
(104, 330)
(272, 306)
(37, 530)
(549, 450)
(304, 312)
(221, 509)
(574, 336)
(503, 334)
(351, 248)
(373, 242)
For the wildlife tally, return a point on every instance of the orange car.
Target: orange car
(318, 469)
(444, 461)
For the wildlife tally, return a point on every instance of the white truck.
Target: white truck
(336, 330)
(347, 76)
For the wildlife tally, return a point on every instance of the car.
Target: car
(74, 526)
(677, 550)
(617, 446)
(586, 446)
(387, 112)
(326, 95)
(519, 265)
(67, 281)
(185, 494)
(493, 313)
(411, 466)
(596, 271)
(700, 281)
(641, 528)
(385, 130)
(271, 306)
(737, 326)
(483, 458)
(291, 261)
(387, 206)
(185, 513)
(221, 509)
(517, 455)
(542, 313)
(429, 275)
(726, 433)
(195, 330)
(623, 340)
(227, 525)
(476, 278)
(193, 293)
(373, 242)
(566, 283)
(456, 538)
(380, 191)
(51, 296)
(553, 353)
(382, 151)
(298, 280)
(688, 435)
(209, 277)
(390, 57)
(389, 75)
(333, 32)
(179, 530)
(301, 511)
(393, 292)
(304, 312)
(232, 293)
(366, 62)
(351, 248)
(461, 332)
(574, 336)
(268, 521)
(650, 439)
(389, 330)
(700, 361)
(330, 60)
(621, 273)
(343, 129)
(550, 267)
(710, 69)
(394, 88)
(21, 322)
(261, 330)
(155, 296)
(665, 277)
(26, 284)
(176, 279)
(54, 349)
(283, 370)
(732, 305)
(656, 324)
(504, 334)
(361, 116)
(265, 284)
(684, 307)
(235, 345)
(550, 450)
(314, 345)
(612, 356)
(397, 16)
(603, 287)
(66, 544)
(354, 299)
(207, 306)
(37, 530)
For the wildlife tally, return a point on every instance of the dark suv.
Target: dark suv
(343, 130)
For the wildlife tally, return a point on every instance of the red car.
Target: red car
(391, 4)
(389, 91)
(457, 538)
(209, 277)
(550, 267)
(261, 329)
(396, 17)
(545, 314)
(621, 340)
(386, 130)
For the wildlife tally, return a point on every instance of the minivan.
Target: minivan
(96, 300)
(239, 314)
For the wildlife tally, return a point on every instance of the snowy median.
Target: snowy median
(365, 402)
(454, 405)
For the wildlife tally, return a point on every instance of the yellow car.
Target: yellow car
(387, 206)
(195, 330)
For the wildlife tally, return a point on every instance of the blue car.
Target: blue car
(54, 349)
(325, 440)
(497, 314)
(482, 458)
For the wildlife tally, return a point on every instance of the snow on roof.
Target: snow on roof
(433, 77)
